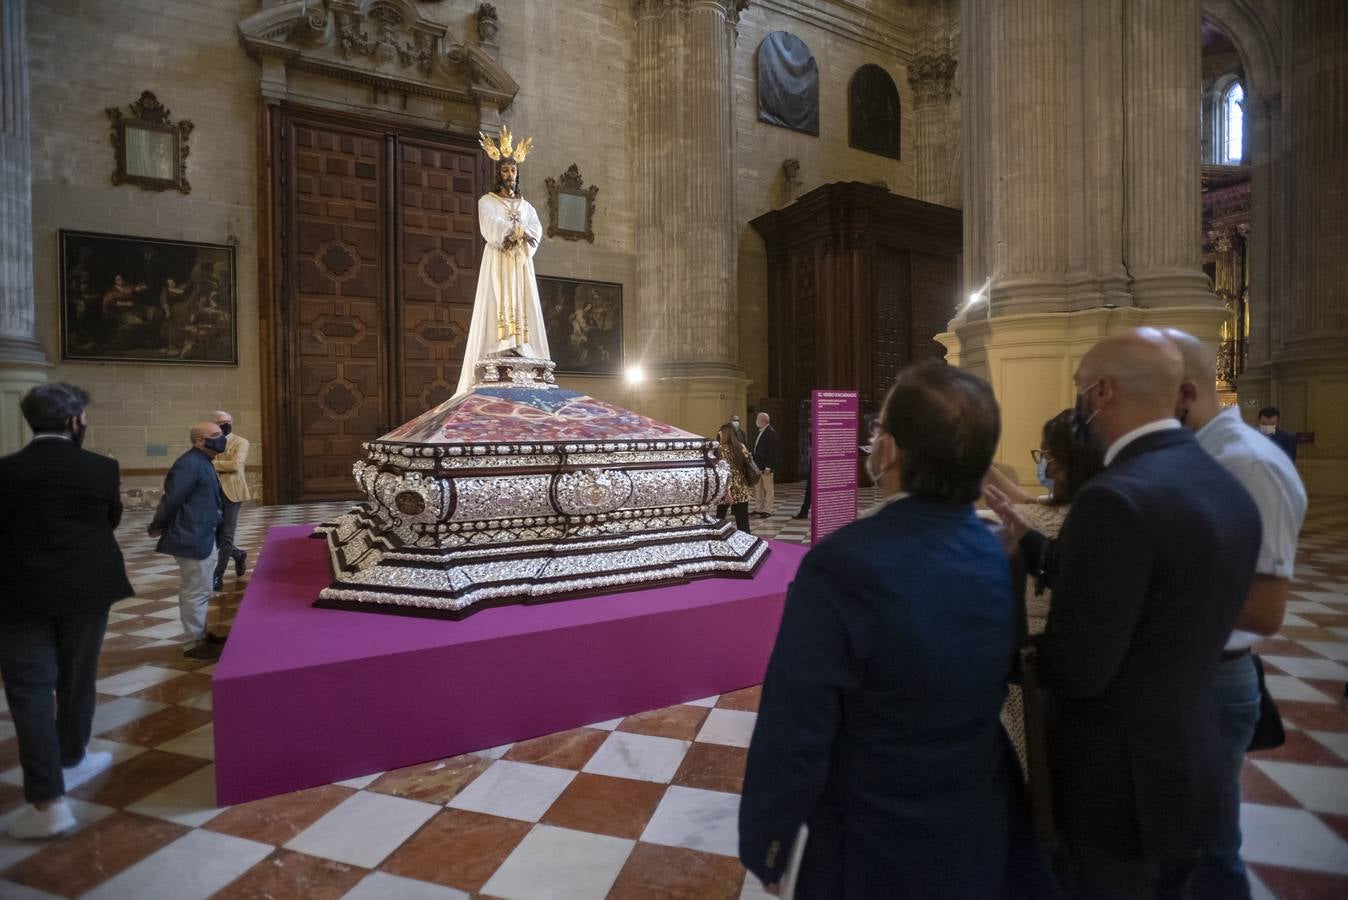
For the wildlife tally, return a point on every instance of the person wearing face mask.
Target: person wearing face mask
(1149, 574)
(878, 724)
(739, 431)
(60, 572)
(186, 522)
(229, 465)
(1268, 426)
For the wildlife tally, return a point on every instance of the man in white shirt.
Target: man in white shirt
(1268, 474)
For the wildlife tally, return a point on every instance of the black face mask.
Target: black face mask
(77, 430)
(216, 444)
(226, 428)
(1081, 422)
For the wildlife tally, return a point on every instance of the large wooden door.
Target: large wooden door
(375, 271)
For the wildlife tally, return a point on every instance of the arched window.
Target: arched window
(1233, 125)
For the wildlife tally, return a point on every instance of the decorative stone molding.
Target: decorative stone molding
(647, 8)
(488, 23)
(931, 77)
(385, 44)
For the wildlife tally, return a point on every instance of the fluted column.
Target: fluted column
(22, 362)
(930, 76)
(1163, 187)
(1027, 70)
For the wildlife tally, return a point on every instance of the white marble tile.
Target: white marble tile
(1308, 606)
(753, 888)
(11, 891)
(560, 864)
(705, 701)
(607, 724)
(173, 614)
(12, 851)
(696, 819)
(494, 752)
(1281, 836)
(188, 801)
(1341, 632)
(116, 713)
(137, 679)
(360, 782)
(1335, 650)
(638, 756)
(7, 730)
(202, 701)
(1318, 788)
(196, 865)
(732, 727)
(1258, 890)
(1302, 667)
(382, 886)
(120, 752)
(363, 829)
(1334, 740)
(199, 742)
(163, 632)
(1292, 619)
(514, 790)
(1287, 687)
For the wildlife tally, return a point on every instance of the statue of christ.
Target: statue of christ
(507, 314)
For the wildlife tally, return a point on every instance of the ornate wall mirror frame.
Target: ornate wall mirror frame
(151, 148)
(571, 207)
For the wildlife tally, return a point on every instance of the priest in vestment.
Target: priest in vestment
(507, 314)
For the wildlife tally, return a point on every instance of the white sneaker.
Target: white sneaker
(87, 768)
(40, 824)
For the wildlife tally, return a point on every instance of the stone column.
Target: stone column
(930, 75)
(1163, 187)
(1027, 73)
(685, 204)
(22, 362)
(1310, 352)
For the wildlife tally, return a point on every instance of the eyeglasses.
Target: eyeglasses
(1037, 455)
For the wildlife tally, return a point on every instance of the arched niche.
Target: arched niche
(873, 112)
(788, 83)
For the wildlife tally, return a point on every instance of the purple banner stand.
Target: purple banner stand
(307, 696)
(833, 469)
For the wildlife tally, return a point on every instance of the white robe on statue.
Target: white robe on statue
(507, 314)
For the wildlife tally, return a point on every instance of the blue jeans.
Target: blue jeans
(1222, 873)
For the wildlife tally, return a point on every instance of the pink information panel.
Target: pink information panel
(833, 470)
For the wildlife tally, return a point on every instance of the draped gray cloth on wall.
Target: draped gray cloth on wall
(788, 83)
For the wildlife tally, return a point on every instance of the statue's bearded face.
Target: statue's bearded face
(509, 172)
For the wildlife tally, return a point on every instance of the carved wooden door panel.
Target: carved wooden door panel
(438, 256)
(338, 302)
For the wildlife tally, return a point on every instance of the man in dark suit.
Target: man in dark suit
(60, 571)
(878, 724)
(767, 456)
(1149, 573)
(187, 523)
(1268, 424)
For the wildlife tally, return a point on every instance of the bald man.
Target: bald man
(186, 523)
(1149, 573)
(1268, 474)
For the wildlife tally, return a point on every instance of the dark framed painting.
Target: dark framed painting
(146, 300)
(873, 112)
(585, 324)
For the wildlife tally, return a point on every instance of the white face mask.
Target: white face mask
(1268, 429)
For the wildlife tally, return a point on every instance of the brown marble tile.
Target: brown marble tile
(1330, 687)
(1338, 823)
(1315, 716)
(89, 857)
(714, 767)
(563, 750)
(9, 753)
(11, 796)
(275, 820)
(433, 782)
(1326, 620)
(1306, 633)
(746, 699)
(1256, 787)
(158, 727)
(606, 805)
(1302, 748)
(457, 848)
(138, 777)
(653, 872)
(126, 626)
(1300, 884)
(286, 875)
(680, 722)
(176, 690)
(1284, 647)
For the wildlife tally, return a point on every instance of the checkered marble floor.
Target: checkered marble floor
(643, 806)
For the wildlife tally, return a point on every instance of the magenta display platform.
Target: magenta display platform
(306, 696)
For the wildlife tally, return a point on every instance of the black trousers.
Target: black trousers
(51, 661)
(805, 504)
(741, 512)
(225, 539)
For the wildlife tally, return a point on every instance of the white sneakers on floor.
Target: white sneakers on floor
(37, 824)
(82, 771)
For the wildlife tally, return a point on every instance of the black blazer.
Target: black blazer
(1287, 441)
(59, 505)
(1152, 566)
(767, 453)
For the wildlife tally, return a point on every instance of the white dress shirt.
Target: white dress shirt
(1140, 431)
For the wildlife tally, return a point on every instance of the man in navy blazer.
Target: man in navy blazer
(878, 724)
(60, 572)
(186, 522)
(1149, 572)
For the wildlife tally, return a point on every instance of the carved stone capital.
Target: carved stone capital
(931, 75)
(649, 9)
